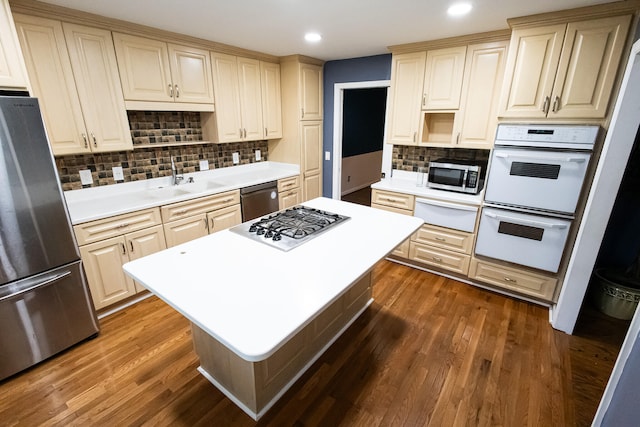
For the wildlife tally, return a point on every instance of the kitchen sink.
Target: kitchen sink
(166, 192)
(199, 187)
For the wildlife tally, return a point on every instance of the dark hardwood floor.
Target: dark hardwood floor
(429, 351)
(361, 197)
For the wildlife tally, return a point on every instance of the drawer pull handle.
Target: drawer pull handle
(123, 225)
(441, 239)
(509, 279)
(131, 245)
(436, 259)
(181, 212)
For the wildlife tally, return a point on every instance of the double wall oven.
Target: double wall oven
(534, 183)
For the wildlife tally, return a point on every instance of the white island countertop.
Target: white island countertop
(253, 298)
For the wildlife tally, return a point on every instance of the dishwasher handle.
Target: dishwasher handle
(253, 188)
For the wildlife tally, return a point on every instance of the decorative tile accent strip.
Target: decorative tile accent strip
(409, 158)
(164, 127)
(154, 162)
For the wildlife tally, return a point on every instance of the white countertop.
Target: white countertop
(405, 182)
(252, 297)
(94, 203)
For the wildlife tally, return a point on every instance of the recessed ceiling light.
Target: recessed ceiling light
(459, 9)
(312, 37)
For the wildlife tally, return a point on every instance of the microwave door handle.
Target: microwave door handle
(539, 224)
(544, 159)
(447, 205)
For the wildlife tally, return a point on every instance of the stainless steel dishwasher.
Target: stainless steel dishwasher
(259, 200)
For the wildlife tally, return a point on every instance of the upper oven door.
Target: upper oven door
(538, 179)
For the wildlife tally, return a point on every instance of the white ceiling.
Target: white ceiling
(350, 28)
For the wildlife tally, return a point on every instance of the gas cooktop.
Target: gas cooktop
(289, 228)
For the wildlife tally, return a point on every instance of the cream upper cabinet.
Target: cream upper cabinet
(443, 78)
(483, 77)
(271, 100)
(565, 70)
(238, 98)
(405, 98)
(311, 92)
(311, 167)
(71, 67)
(12, 72)
(152, 70)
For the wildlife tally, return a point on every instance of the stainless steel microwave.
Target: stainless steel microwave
(456, 175)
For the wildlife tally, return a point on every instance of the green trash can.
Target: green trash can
(616, 294)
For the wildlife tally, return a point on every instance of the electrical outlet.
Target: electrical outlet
(258, 155)
(327, 155)
(348, 178)
(117, 173)
(85, 177)
(236, 158)
(204, 165)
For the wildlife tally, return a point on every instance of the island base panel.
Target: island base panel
(256, 386)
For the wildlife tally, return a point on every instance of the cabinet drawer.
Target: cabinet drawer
(186, 229)
(525, 282)
(392, 209)
(101, 229)
(440, 258)
(445, 238)
(447, 214)
(200, 205)
(396, 200)
(288, 183)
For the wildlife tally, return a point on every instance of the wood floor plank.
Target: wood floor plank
(429, 351)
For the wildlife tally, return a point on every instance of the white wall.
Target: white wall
(360, 171)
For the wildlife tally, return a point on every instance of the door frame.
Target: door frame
(338, 103)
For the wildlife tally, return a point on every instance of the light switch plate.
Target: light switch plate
(236, 158)
(258, 155)
(204, 165)
(85, 177)
(327, 155)
(117, 173)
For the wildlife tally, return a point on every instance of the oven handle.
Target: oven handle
(545, 159)
(539, 224)
(447, 205)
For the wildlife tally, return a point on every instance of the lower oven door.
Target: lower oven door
(522, 238)
(538, 179)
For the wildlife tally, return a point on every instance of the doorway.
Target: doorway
(358, 137)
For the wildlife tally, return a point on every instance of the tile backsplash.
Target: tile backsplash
(148, 128)
(408, 158)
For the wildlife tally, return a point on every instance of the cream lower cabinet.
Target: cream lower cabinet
(71, 67)
(564, 70)
(152, 70)
(12, 70)
(442, 247)
(289, 192)
(191, 219)
(398, 203)
(107, 244)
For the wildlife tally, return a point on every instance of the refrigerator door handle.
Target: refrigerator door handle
(31, 287)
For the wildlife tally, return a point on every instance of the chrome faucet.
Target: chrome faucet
(175, 178)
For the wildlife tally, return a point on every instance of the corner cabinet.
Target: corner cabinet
(12, 71)
(72, 66)
(565, 70)
(152, 70)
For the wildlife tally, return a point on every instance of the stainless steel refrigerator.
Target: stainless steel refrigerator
(45, 304)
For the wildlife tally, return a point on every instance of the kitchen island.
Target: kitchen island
(262, 316)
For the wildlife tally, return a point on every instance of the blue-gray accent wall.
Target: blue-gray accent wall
(364, 69)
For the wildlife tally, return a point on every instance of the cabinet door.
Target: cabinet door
(271, 100)
(93, 60)
(103, 264)
(224, 218)
(145, 242)
(191, 74)
(405, 95)
(311, 92)
(483, 78)
(590, 57)
(12, 72)
(227, 97)
(311, 162)
(250, 98)
(531, 69)
(184, 230)
(443, 78)
(47, 61)
(144, 67)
